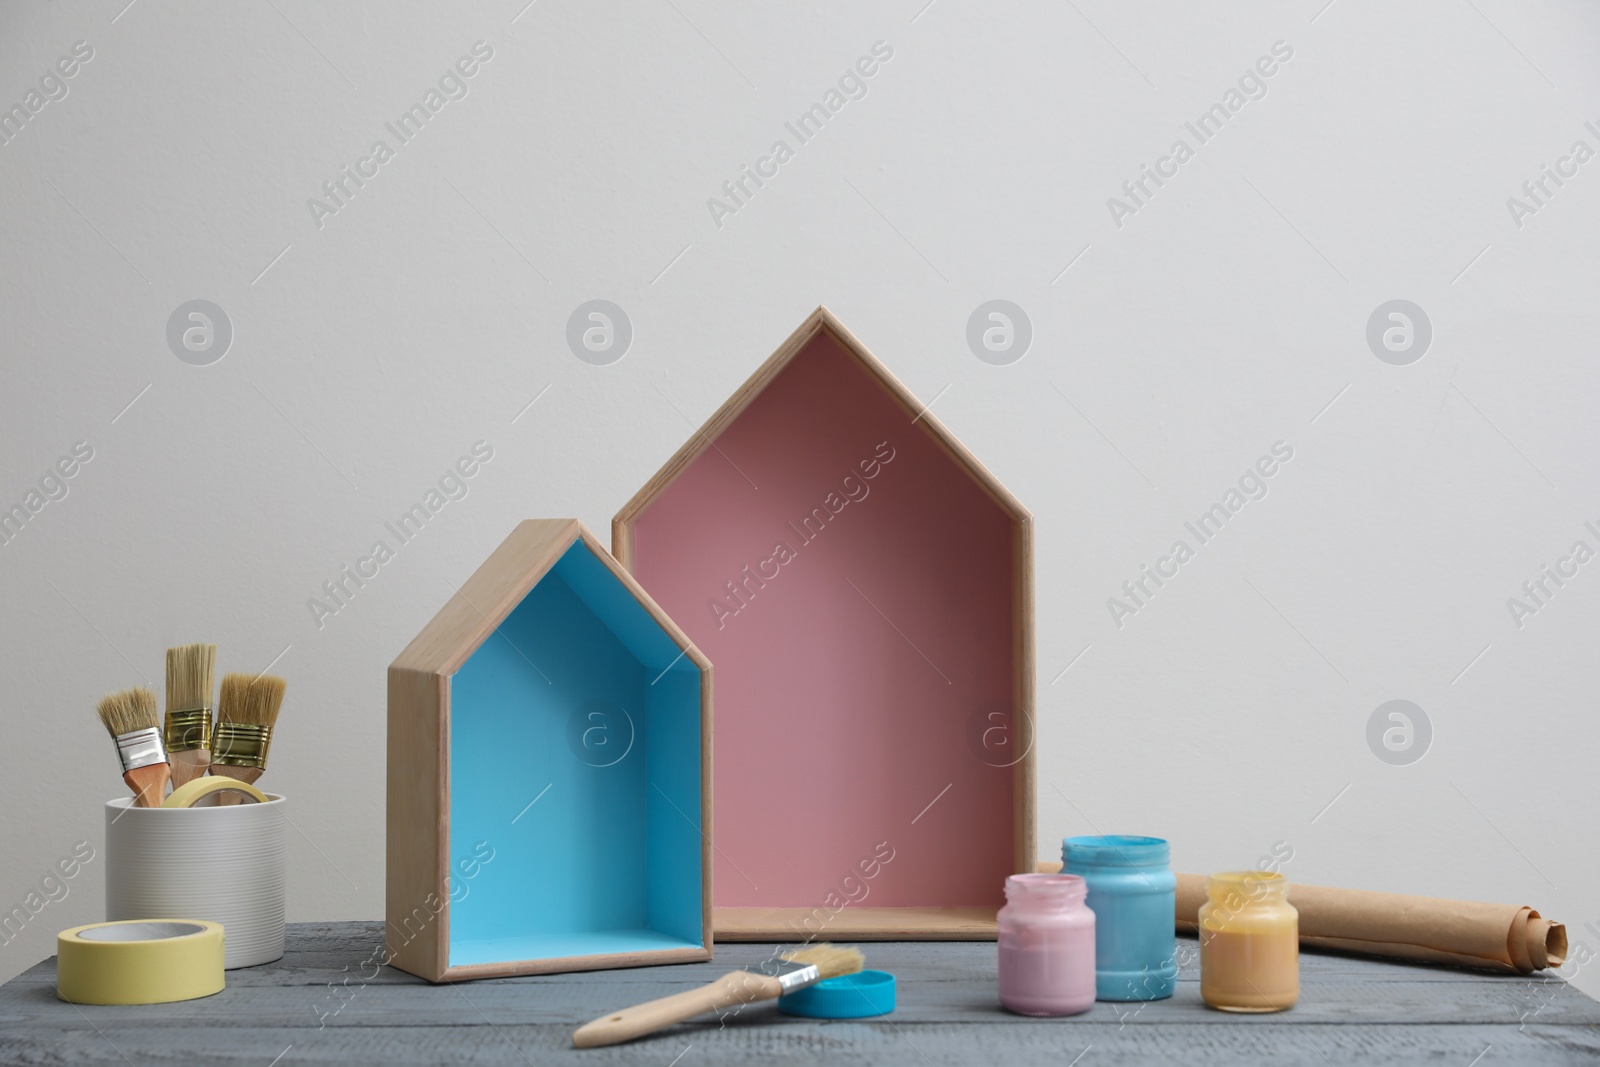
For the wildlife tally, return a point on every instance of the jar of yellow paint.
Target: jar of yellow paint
(1249, 943)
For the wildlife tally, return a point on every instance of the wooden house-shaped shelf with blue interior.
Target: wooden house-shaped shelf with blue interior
(549, 793)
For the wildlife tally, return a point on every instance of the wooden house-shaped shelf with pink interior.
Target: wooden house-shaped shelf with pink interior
(549, 773)
(864, 587)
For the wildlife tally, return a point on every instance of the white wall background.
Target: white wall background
(1227, 314)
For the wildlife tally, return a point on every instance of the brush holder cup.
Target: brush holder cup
(225, 864)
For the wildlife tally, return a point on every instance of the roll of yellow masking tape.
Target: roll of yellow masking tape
(191, 792)
(147, 961)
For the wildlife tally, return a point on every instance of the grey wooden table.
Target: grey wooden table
(285, 1013)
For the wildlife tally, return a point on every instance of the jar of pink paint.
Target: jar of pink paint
(1046, 940)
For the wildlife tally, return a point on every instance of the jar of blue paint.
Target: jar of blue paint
(1133, 895)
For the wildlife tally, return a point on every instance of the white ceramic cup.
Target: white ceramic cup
(225, 864)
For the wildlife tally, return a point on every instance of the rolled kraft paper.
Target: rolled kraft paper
(1468, 934)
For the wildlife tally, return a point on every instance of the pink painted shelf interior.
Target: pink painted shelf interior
(861, 585)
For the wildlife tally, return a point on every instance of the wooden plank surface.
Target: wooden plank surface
(1351, 1011)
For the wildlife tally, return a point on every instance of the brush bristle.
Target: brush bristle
(266, 699)
(235, 695)
(251, 700)
(831, 960)
(129, 710)
(190, 669)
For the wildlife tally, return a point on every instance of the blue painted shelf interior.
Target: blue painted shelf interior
(575, 766)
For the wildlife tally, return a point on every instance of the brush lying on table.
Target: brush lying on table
(768, 980)
(130, 718)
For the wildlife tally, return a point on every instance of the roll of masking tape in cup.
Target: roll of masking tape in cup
(202, 792)
(221, 864)
(153, 961)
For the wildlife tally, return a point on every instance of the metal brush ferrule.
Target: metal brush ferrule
(141, 748)
(790, 975)
(240, 744)
(188, 730)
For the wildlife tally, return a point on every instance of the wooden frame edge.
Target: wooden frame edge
(657, 612)
(857, 924)
(726, 412)
(941, 434)
(707, 813)
(489, 618)
(1024, 783)
(819, 320)
(566, 964)
(416, 833)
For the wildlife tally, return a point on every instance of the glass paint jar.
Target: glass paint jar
(1046, 945)
(1249, 943)
(1133, 895)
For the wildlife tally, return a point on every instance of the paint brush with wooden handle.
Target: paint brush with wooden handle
(768, 980)
(246, 713)
(130, 718)
(188, 735)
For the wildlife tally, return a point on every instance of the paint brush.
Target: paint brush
(246, 713)
(768, 980)
(130, 718)
(188, 734)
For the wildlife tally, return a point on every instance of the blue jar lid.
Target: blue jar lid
(850, 996)
(1115, 850)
